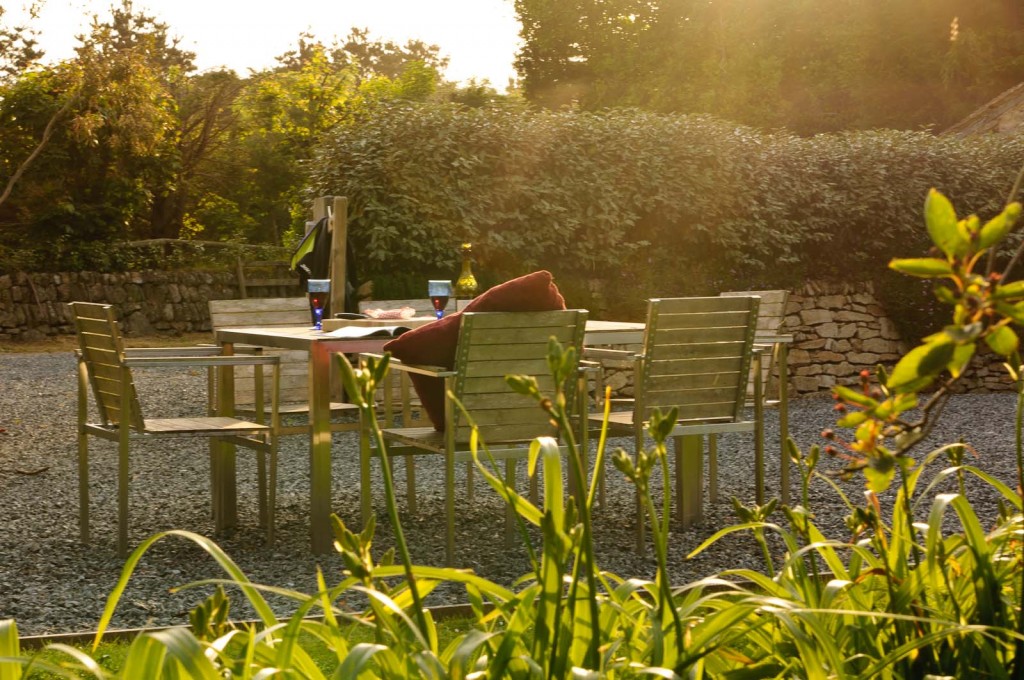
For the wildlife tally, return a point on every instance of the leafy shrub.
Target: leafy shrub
(649, 204)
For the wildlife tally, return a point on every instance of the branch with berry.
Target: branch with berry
(985, 307)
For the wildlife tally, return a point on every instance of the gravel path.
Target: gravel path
(50, 583)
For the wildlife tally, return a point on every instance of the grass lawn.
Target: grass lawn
(110, 655)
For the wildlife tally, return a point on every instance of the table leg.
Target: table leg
(222, 454)
(320, 448)
(783, 364)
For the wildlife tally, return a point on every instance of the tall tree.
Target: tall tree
(374, 58)
(285, 110)
(810, 65)
(19, 48)
(112, 145)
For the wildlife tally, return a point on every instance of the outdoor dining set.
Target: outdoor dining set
(272, 374)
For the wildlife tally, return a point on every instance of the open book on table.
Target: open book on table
(367, 331)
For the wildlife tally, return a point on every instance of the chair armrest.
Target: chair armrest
(156, 352)
(605, 353)
(239, 347)
(589, 366)
(431, 371)
(212, 361)
(773, 338)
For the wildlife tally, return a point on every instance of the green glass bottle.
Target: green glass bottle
(465, 285)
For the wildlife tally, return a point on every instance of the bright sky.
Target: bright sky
(480, 37)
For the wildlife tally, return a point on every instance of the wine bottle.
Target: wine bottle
(465, 285)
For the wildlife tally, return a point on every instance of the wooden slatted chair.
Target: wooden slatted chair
(771, 336)
(697, 354)
(770, 321)
(294, 390)
(490, 346)
(106, 366)
(270, 276)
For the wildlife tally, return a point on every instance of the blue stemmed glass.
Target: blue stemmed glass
(318, 290)
(439, 293)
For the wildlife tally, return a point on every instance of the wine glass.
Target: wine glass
(439, 292)
(318, 290)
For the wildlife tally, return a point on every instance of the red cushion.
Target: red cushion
(434, 344)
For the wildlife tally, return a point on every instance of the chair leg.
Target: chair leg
(469, 482)
(214, 477)
(261, 486)
(638, 442)
(784, 462)
(83, 454)
(272, 493)
(365, 493)
(410, 483)
(713, 468)
(689, 451)
(211, 410)
(83, 486)
(510, 518)
(122, 491)
(759, 434)
(449, 509)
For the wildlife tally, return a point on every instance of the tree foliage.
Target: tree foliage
(126, 141)
(18, 46)
(809, 65)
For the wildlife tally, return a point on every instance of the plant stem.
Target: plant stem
(805, 483)
(1009, 199)
(367, 411)
(659, 539)
(1018, 665)
(593, 656)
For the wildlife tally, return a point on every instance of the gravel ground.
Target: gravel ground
(51, 583)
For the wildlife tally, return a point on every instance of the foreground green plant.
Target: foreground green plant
(905, 598)
(896, 598)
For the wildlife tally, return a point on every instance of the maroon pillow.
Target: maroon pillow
(434, 344)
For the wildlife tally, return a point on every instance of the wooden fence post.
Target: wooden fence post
(339, 236)
(335, 208)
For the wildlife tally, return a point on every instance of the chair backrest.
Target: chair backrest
(265, 312)
(770, 321)
(99, 339)
(697, 357)
(772, 314)
(265, 274)
(494, 344)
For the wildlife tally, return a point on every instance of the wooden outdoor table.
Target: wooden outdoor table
(320, 346)
(606, 333)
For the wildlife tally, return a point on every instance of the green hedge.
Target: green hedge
(646, 204)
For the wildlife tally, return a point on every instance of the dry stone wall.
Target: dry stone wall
(838, 330)
(34, 306)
